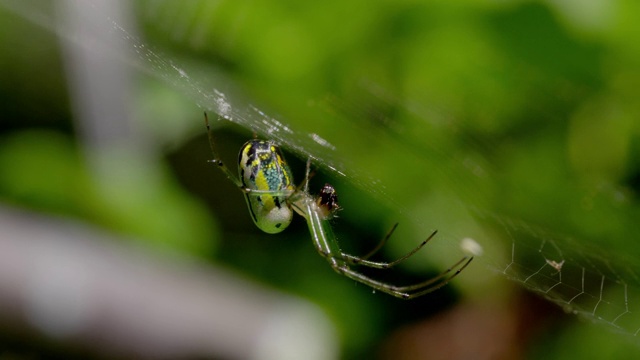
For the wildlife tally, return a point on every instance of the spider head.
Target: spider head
(327, 201)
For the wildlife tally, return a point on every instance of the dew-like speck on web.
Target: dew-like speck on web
(224, 108)
(318, 139)
(182, 73)
(470, 246)
(336, 170)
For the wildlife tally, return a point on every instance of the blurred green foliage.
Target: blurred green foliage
(522, 108)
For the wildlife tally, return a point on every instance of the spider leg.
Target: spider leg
(254, 192)
(307, 175)
(217, 160)
(381, 243)
(384, 265)
(438, 281)
(408, 291)
(327, 245)
(375, 284)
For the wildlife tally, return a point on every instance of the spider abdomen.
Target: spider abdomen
(263, 170)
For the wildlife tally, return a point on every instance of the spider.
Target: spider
(267, 183)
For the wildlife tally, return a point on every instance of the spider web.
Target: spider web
(584, 280)
(574, 275)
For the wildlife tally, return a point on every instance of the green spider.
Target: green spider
(267, 183)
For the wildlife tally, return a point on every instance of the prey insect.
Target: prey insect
(267, 183)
